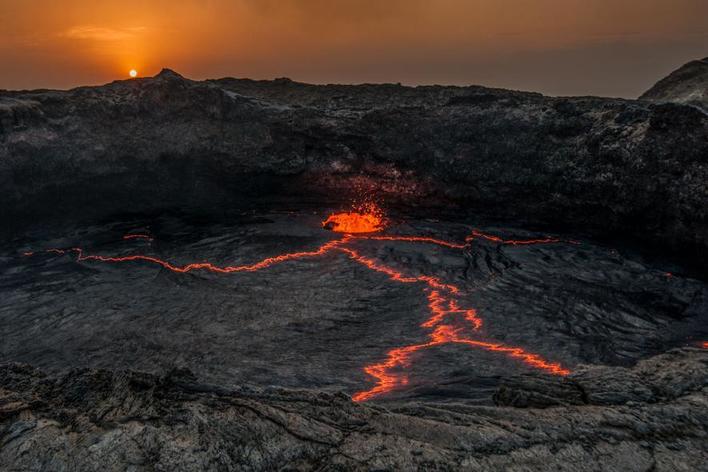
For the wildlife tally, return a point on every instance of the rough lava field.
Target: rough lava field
(214, 301)
(276, 300)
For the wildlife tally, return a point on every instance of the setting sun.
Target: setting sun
(133, 73)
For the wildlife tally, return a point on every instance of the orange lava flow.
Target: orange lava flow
(469, 239)
(368, 219)
(81, 256)
(386, 381)
(444, 309)
(513, 242)
(448, 320)
(432, 282)
(415, 239)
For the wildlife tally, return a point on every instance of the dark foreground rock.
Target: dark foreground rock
(614, 167)
(650, 417)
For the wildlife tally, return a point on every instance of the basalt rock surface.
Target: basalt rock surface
(615, 167)
(651, 417)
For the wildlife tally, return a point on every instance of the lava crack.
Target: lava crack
(447, 319)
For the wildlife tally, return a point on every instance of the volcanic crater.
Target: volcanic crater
(195, 258)
(420, 309)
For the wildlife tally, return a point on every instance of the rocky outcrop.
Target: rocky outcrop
(615, 167)
(686, 85)
(651, 417)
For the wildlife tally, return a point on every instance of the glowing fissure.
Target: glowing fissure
(267, 262)
(130, 236)
(415, 239)
(447, 319)
(443, 310)
(513, 242)
(432, 282)
(387, 381)
(442, 307)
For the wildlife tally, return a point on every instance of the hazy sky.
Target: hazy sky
(561, 47)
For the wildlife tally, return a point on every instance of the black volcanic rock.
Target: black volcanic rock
(96, 419)
(686, 85)
(615, 167)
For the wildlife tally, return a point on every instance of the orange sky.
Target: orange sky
(607, 47)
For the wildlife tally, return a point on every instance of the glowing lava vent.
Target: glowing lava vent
(367, 218)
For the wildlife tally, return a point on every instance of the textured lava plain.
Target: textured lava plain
(318, 322)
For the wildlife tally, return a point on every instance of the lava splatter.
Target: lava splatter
(367, 218)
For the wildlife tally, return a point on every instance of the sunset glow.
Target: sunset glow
(133, 73)
(551, 46)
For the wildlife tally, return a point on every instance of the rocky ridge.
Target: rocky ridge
(608, 166)
(687, 85)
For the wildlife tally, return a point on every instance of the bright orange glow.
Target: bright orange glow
(447, 319)
(432, 282)
(442, 307)
(133, 73)
(366, 219)
(386, 381)
(444, 310)
(704, 344)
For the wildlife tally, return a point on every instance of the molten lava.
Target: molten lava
(514, 242)
(366, 219)
(415, 239)
(386, 381)
(267, 262)
(449, 321)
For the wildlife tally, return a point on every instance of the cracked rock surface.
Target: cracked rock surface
(317, 322)
(653, 416)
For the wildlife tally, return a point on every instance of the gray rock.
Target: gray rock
(96, 419)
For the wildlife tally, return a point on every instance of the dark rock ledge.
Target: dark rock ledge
(653, 416)
(616, 168)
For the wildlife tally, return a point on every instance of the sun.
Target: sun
(133, 73)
